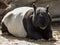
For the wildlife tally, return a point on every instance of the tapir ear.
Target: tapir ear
(35, 7)
(47, 8)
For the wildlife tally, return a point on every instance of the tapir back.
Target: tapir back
(14, 21)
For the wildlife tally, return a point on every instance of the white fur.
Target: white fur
(13, 21)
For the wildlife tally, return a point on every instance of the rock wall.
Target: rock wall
(22, 2)
(11, 4)
(53, 4)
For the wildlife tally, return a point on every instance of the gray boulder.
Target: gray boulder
(19, 3)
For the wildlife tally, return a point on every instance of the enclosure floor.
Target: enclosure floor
(10, 40)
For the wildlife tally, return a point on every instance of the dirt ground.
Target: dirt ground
(10, 40)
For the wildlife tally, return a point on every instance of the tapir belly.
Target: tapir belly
(14, 21)
(16, 28)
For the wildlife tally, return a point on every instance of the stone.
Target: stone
(19, 3)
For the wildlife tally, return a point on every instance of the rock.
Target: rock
(53, 4)
(19, 3)
(7, 1)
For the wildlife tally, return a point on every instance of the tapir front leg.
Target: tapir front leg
(32, 32)
(48, 34)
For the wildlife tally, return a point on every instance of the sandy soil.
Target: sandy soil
(10, 40)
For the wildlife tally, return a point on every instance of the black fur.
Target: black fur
(32, 25)
(36, 32)
(5, 29)
(31, 30)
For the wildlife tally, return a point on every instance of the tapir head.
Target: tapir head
(40, 16)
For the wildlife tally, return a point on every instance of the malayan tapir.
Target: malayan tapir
(33, 22)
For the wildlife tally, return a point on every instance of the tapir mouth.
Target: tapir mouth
(42, 27)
